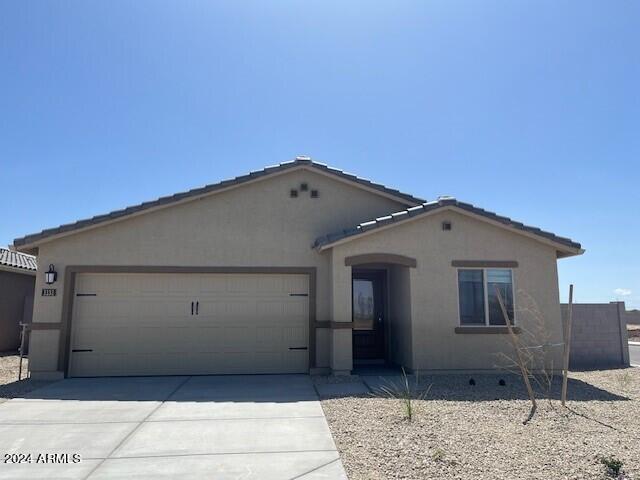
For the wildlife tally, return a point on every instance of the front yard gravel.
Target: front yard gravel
(10, 387)
(476, 432)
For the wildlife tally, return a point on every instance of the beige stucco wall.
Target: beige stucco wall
(257, 224)
(434, 300)
(399, 328)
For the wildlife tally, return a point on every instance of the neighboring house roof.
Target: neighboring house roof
(299, 162)
(17, 260)
(442, 203)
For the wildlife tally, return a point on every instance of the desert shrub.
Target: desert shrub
(613, 465)
(405, 393)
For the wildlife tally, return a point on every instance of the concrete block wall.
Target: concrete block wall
(633, 317)
(598, 335)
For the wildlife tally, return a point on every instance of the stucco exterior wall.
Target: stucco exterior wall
(399, 331)
(14, 287)
(256, 224)
(434, 287)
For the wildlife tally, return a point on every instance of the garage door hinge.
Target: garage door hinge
(298, 294)
(297, 348)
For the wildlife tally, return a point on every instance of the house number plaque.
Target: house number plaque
(48, 292)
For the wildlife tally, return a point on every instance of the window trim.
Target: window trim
(486, 323)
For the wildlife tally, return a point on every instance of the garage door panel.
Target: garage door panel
(268, 339)
(203, 339)
(295, 336)
(84, 364)
(298, 284)
(246, 324)
(241, 283)
(266, 285)
(212, 284)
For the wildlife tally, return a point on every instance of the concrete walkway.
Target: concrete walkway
(222, 427)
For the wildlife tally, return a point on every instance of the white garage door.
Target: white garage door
(188, 324)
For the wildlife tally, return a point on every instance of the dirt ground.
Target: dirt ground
(475, 432)
(10, 387)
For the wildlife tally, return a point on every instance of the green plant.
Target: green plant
(624, 381)
(437, 455)
(614, 466)
(405, 393)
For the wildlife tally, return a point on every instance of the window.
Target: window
(499, 279)
(478, 299)
(471, 288)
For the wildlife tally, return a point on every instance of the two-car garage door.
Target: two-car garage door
(188, 324)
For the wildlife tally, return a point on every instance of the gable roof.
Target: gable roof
(566, 246)
(28, 241)
(17, 260)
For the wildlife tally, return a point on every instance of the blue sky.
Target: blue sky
(529, 109)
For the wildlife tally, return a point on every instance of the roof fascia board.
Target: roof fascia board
(560, 248)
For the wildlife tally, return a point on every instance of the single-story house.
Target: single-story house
(296, 268)
(17, 280)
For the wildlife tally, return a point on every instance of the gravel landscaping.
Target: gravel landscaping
(474, 432)
(10, 387)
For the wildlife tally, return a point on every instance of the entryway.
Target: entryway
(381, 314)
(368, 307)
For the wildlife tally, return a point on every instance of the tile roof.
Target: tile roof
(299, 161)
(434, 205)
(9, 258)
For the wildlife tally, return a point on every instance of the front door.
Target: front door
(368, 315)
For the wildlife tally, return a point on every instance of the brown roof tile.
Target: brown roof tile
(431, 206)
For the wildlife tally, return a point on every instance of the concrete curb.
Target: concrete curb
(635, 344)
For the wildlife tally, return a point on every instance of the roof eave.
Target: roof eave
(30, 243)
(562, 249)
(21, 271)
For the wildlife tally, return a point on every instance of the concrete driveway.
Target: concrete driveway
(219, 427)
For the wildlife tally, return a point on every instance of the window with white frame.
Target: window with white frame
(478, 299)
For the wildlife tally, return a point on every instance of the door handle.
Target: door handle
(197, 307)
(191, 308)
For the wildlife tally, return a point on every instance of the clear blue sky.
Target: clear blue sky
(529, 109)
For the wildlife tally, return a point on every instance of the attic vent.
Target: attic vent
(293, 193)
(446, 225)
(314, 194)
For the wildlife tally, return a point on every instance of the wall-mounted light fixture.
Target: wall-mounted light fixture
(51, 276)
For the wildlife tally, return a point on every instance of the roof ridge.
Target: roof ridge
(210, 188)
(425, 207)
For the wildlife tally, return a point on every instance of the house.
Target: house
(17, 280)
(296, 268)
